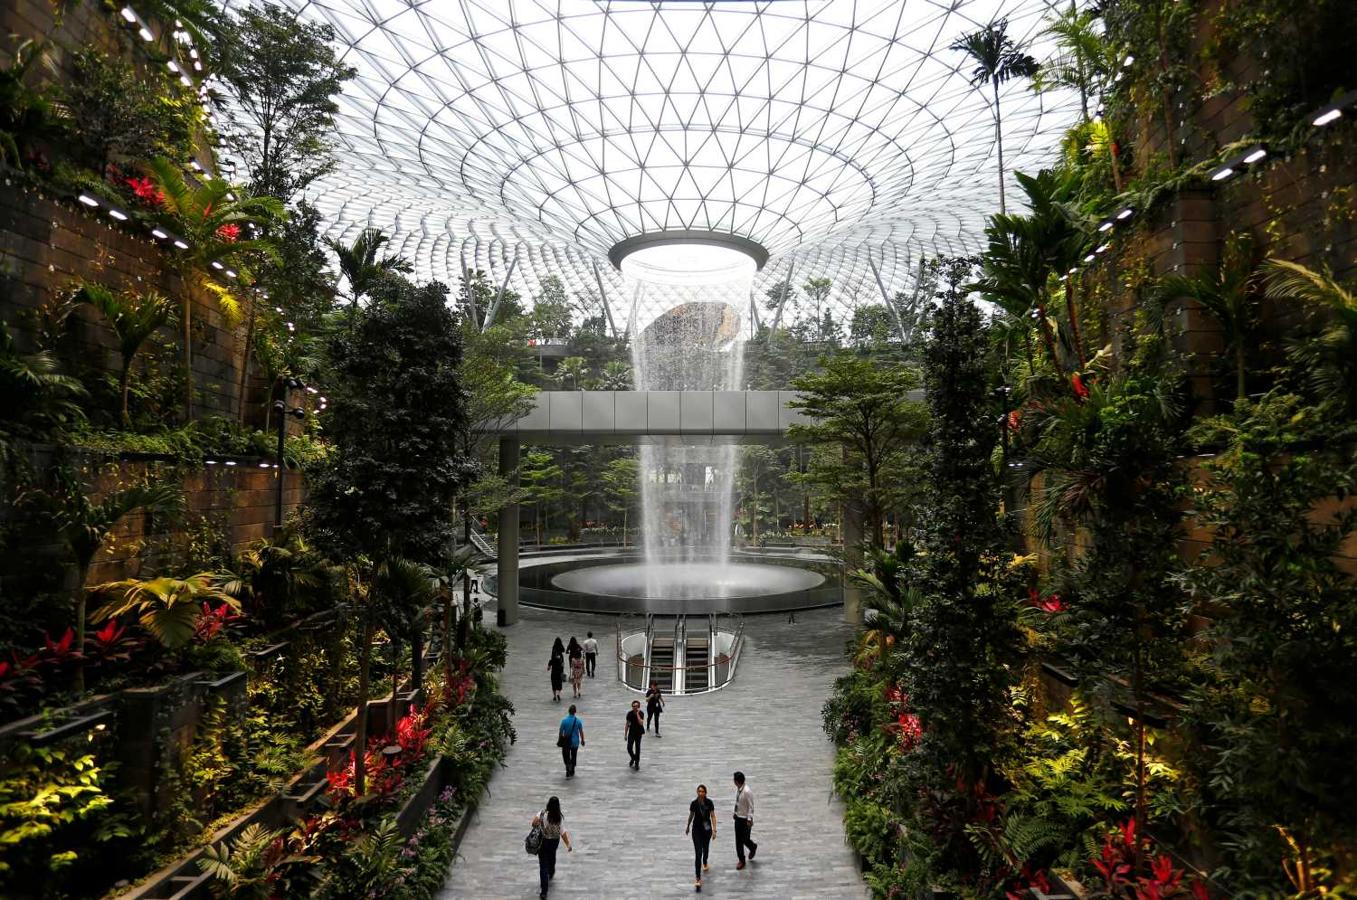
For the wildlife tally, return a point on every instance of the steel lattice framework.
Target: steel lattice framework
(526, 138)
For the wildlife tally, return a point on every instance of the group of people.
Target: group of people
(582, 659)
(701, 825)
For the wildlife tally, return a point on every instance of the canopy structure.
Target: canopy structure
(529, 138)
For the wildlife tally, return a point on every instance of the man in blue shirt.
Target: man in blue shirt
(570, 740)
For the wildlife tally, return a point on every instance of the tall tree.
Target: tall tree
(215, 222)
(997, 59)
(283, 75)
(1227, 293)
(397, 413)
(862, 407)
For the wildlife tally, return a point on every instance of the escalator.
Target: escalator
(661, 658)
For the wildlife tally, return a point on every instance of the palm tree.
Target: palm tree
(892, 600)
(1026, 253)
(169, 608)
(616, 376)
(572, 368)
(134, 317)
(213, 218)
(1331, 355)
(362, 266)
(1226, 293)
(278, 576)
(35, 396)
(83, 525)
(1087, 62)
(997, 59)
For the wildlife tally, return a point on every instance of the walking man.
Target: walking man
(654, 706)
(590, 654)
(744, 820)
(570, 740)
(635, 729)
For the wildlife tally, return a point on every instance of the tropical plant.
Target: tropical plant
(997, 60)
(1226, 292)
(247, 867)
(572, 369)
(617, 376)
(621, 481)
(1330, 356)
(134, 316)
(112, 110)
(213, 219)
(281, 576)
(170, 609)
(1027, 254)
(25, 114)
(83, 524)
(43, 791)
(541, 478)
(35, 396)
(363, 265)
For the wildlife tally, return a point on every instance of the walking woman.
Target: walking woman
(702, 826)
(576, 669)
(654, 706)
(556, 666)
(553, 832)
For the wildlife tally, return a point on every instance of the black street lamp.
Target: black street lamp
(280, 406)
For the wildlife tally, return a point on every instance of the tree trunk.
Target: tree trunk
(245, 363)
(81, 599)
(360, 738)
(392, 714)
(1241, 387)
(124, 384)
(188, 354)
(417, 661)
(466, 586)
(999, 146)
(1074, 321)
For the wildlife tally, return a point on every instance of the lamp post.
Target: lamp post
(281, 407)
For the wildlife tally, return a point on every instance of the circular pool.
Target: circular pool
(623, 583)
(687, 581)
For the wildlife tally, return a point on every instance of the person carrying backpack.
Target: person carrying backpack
(548, 832)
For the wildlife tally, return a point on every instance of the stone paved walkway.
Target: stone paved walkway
(628, 826)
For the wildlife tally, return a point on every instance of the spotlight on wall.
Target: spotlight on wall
(1222, 173)
(1106, 225)
(88, 201)
(118, 214)
(1125, 214)
(1255, 154)
(1327, 115)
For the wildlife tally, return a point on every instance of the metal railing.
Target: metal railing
(637, 670)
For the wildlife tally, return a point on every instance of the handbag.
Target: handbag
(533, 842)
(563, 739)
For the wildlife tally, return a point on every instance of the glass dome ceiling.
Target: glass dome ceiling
(526, 138)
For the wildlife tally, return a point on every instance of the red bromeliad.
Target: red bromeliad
(230, 232)
(147, 192)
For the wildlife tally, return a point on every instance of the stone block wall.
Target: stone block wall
(48, 243)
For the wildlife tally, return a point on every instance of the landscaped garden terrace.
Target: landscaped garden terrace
(1107, 563)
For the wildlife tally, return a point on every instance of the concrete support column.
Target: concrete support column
(507, 564)
(852, 561)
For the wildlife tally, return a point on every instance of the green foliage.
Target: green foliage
(856, 704)
(1227, 293)
(241, 870)
(53, 804)
(169, 608)
(284, 577)
(116, 112)
(36, 398)
(25, 114)
(1276, 709)
(363, 265)
(133, 316)
(397, 417)
(1328, 357)
(862, 407)
(282, 75)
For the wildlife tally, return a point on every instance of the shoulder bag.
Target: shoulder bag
(533, 842)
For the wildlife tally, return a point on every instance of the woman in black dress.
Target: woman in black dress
(702, 826)
(556, 666)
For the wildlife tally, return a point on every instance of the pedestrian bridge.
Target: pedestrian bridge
(693, 417)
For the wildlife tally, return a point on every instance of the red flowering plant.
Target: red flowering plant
(906, 725)
(1051, 603)
(212, 621)
(147, 192)
(230, 232)
(1116, 864)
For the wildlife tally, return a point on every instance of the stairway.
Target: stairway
(662, 661)
(697, 659)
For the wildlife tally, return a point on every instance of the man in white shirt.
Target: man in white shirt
(590, 654)
(744, 819)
